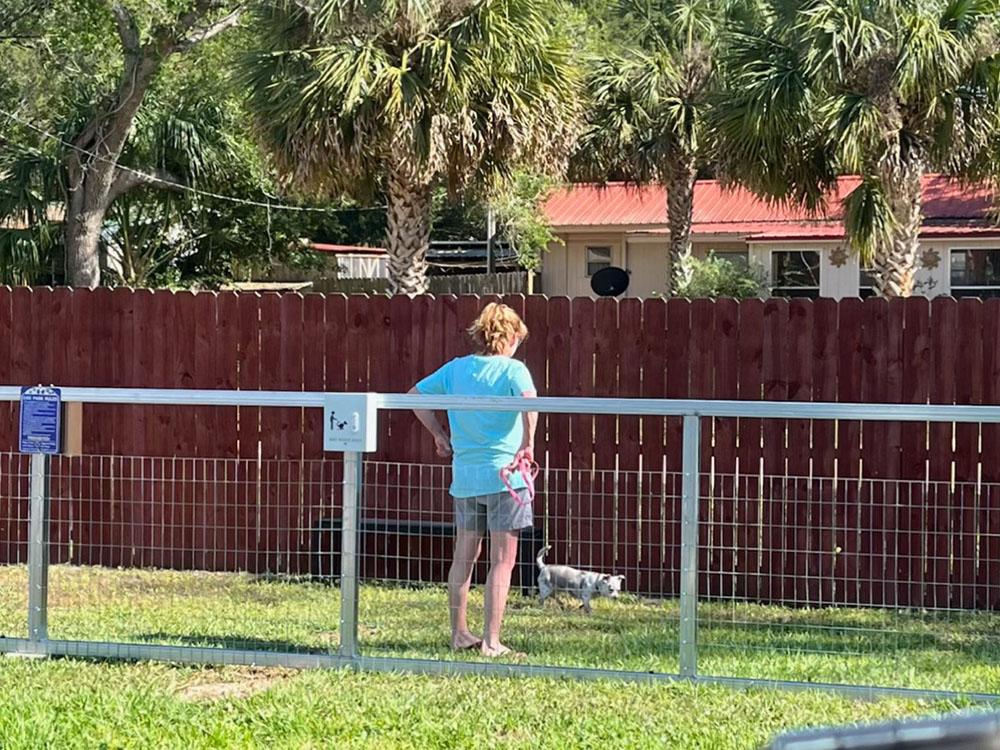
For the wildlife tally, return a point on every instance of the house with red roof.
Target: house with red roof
(803, 254)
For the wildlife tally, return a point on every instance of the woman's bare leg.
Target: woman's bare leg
(503, 555)
(467, 547)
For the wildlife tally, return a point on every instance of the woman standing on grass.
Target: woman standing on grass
(482, 444)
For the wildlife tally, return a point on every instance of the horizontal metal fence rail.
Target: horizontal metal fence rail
(546, 404)
(695, 498)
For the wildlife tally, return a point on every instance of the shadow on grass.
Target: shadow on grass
(232, 642)
(852, 634)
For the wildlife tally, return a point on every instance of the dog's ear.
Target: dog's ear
(606, 577)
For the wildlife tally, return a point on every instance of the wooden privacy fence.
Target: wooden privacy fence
(765, 539)
(503, 282)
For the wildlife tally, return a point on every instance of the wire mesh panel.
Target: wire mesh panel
(14, 512)
(612, 522)
(817, 550)
(851, 580)
(221, 553)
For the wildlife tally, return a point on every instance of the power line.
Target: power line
(179, 186)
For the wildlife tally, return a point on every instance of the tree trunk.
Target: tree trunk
(88, 201)
(895, 262)
(409, 229)
(680, 206)
(83, 234)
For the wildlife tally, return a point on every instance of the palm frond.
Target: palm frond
(837, 36)
(25, 253)
(857, 127)
(931, 58)
(868, 218)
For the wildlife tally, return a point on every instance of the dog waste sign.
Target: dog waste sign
(41, 412)
(350, 422)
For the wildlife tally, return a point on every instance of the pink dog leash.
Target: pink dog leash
(528, 470)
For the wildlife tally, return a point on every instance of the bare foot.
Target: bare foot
(501, 650)
(464, 641)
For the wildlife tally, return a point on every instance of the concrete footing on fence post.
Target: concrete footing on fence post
(689, 548)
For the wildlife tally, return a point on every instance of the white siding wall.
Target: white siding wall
(362, 266)
(564, 267)
(839, 282)
(938, 280)
(554, 270)
(648, 263)
(564, 270)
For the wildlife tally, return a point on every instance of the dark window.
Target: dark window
(975, 273)
(866, 283)
(795, 273)
(597, 258)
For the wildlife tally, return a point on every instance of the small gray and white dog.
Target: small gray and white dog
(583, 584)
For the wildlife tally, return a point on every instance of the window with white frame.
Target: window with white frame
(975, 273)
(598, 257)
(795, 273)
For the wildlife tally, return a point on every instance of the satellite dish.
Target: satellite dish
(609, 282)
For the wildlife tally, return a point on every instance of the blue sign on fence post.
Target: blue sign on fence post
(41, 414)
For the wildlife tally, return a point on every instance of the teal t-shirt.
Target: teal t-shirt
(482, 442)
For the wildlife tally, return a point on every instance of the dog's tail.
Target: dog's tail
(540, 558)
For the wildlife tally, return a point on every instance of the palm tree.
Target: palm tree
(31, 179)
(400, 96)
(884, 89)
(649, 105)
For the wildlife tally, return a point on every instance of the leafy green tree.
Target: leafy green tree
(102, 108)
(21, 21)
(404, 97)
(94, 178)
(521, 220)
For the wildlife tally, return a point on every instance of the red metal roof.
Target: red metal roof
(949, 209)
(824, 230)
(346, 249)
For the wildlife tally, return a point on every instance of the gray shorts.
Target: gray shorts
(496, 512)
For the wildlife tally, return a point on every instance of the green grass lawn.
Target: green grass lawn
(68, 704)
(73, 703)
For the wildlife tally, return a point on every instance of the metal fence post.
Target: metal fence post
(38, 549)
(349, 556)
(689, 547)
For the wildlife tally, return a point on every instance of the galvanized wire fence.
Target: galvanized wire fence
(615, 522)
(14, 509)
(740, 577)
(178, 552)
(827, 579)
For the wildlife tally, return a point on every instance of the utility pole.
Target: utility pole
(491, 231)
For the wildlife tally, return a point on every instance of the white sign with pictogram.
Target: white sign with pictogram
(350, 422)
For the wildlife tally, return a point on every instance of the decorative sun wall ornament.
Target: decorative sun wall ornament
(839, 256)
(930, 259)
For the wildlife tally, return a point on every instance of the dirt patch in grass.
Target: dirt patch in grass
(231, 683)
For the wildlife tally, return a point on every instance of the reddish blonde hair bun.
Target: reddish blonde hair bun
(496, 325)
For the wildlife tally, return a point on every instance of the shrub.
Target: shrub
(715, 277)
